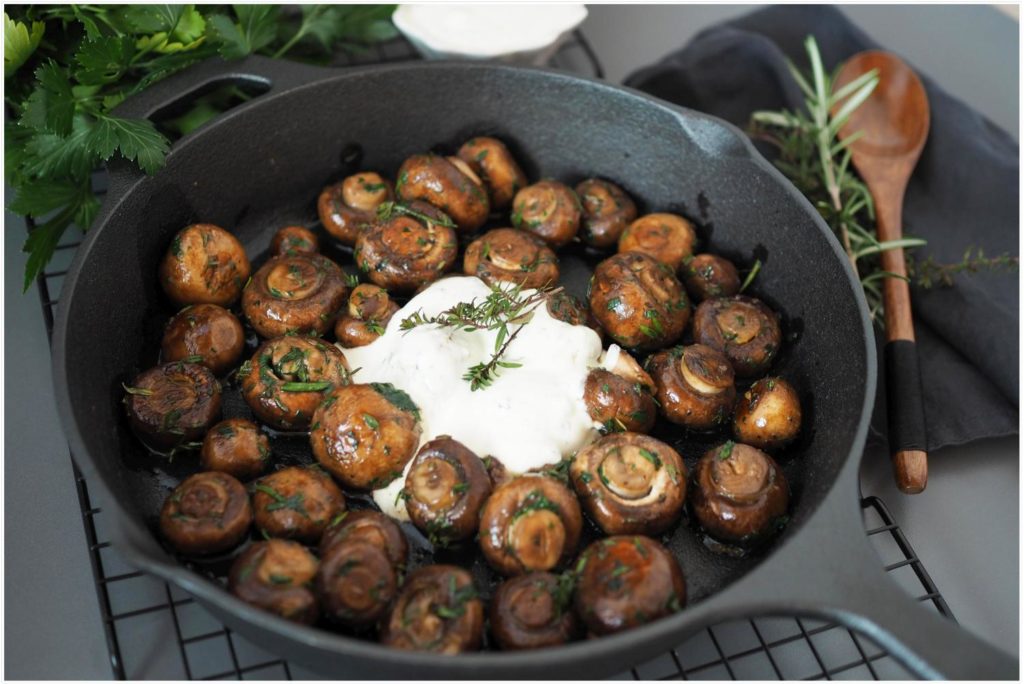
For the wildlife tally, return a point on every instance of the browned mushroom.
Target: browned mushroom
(365, 434)
(365, 319)
(510, 255)
(438, 611)
(739, 494)
(708, 275)
(627, 581)
(205, 264)
(768, 415)
(569, 309)
(206, 334)
(275, 576)
(630, 483)
(494, 164)
(207, 513)
(346, 208)
(741, 327)
(411, 245)
(296, 503)
(695, 385)
(369, 527)
(294, 294)
(449, 184)
(666, 237)
(532, 522)
(236, 447)
(288, 377)
(607, 211)
(548, 209)
(638, 301)
(445, 488)
(496, 470)
(533, 611)
(356, 584)
(173, 404)
(292, 240)
(621, 399)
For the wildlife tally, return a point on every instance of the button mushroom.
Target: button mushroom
(275, 576)
(621, 399)
(236, 447)
(294, 294)
(449, 184)
(205, 264)
(365, 434)
(346, 208)
(666, 237)
(708, 275)
(607, 210)
(492, 162)
(548, 209)
(292, 240)
(533, 611)
(438, 611)
(172, 404)
(206, 334)
(445, 488)
(365, 319)
(513, 256)
(296, 503)
(532, 522)
(569, 309)
(369, 527)
(626, 581)
(695, 386)
(288, 377)
(741, 327)
(207, 513)
(408, 247)
(356, 584)
(739, 494)
(638, 301)
(768, 415)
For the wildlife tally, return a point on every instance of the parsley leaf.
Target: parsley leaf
(255, 29)
(19, 43)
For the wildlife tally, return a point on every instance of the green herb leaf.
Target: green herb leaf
(397, 397)
(51, 107)
(20, 41)
(103, 60)
(136, 139)
(255, 29)
(306, 386)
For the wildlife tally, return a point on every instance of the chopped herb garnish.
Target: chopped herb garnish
(652, 457)
(140, 391)
(397, 397)
(307, 386)
(726, 450)
(371, 422)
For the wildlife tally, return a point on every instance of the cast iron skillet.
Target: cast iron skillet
(261, 165)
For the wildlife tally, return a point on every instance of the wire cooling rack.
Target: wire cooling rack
(156, 631)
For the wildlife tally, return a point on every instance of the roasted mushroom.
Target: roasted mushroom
(292, 240)
(630, 483)
(296, 503)
(638, 301)
(207, 513)
(627, 581)
(741, 327)
(621, 399)
(510, 255)
(410, 246)
(294, 294)
(607, 211)
(237, 447)
(738, 494)
(695, 385)
(365, 319)
(532, 522)
(356, 584)
(496, 470)
(288, 377)
(768, 415)
(449, 184)
(371, 527)
(172, 404)
(365, 434)
(205, 264)
(494, 164)
(346, 208)
(548, 209)
(533, 611)
(445, 488)
(666, 237)
(708, 275)
(275, 576)
(569, 309)
(438, 611)
(206, 334)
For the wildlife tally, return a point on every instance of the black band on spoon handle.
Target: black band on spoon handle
(904, 398)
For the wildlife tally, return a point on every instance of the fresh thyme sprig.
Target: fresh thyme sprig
(505, 310)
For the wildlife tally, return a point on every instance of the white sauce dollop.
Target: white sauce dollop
(528, 417)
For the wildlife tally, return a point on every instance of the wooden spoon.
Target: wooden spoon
(894, 121)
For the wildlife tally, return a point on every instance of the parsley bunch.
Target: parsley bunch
(66, 67)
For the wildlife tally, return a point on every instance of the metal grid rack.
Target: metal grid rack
(142, 615)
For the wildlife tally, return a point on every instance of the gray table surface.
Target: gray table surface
(965, 527)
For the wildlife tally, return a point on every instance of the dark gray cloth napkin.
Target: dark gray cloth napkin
(964, 193)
